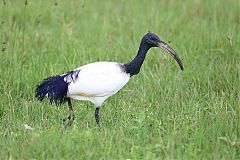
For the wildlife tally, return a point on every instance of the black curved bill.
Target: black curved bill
(169, 50)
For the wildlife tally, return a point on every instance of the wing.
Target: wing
(98, 79)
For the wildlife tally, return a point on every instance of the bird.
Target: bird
(97, 81)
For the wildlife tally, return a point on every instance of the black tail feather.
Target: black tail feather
(56, 87)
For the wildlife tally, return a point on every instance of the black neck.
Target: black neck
(134, 66)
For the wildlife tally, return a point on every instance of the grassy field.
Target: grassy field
(163, 113)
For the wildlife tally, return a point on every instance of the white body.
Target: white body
(98, 81)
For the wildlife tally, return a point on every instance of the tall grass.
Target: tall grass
(163, 113)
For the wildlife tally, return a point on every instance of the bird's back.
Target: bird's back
(99, 79)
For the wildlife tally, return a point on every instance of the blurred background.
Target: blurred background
(163, 113)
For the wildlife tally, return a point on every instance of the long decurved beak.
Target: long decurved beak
(169, 50)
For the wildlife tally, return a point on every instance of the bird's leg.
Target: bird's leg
(71, 116)
(97, 116)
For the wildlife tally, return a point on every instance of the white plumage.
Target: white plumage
(98, 81)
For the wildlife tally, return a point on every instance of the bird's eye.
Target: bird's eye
(154, 39)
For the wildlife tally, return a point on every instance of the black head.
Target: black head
(153, 40)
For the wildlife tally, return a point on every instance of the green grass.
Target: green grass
(163, 113)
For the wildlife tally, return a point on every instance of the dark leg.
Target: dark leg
(71, 116)
(97, 115)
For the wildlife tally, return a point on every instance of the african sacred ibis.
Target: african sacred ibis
(97, 81)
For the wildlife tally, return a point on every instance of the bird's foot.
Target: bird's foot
(69, 120)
